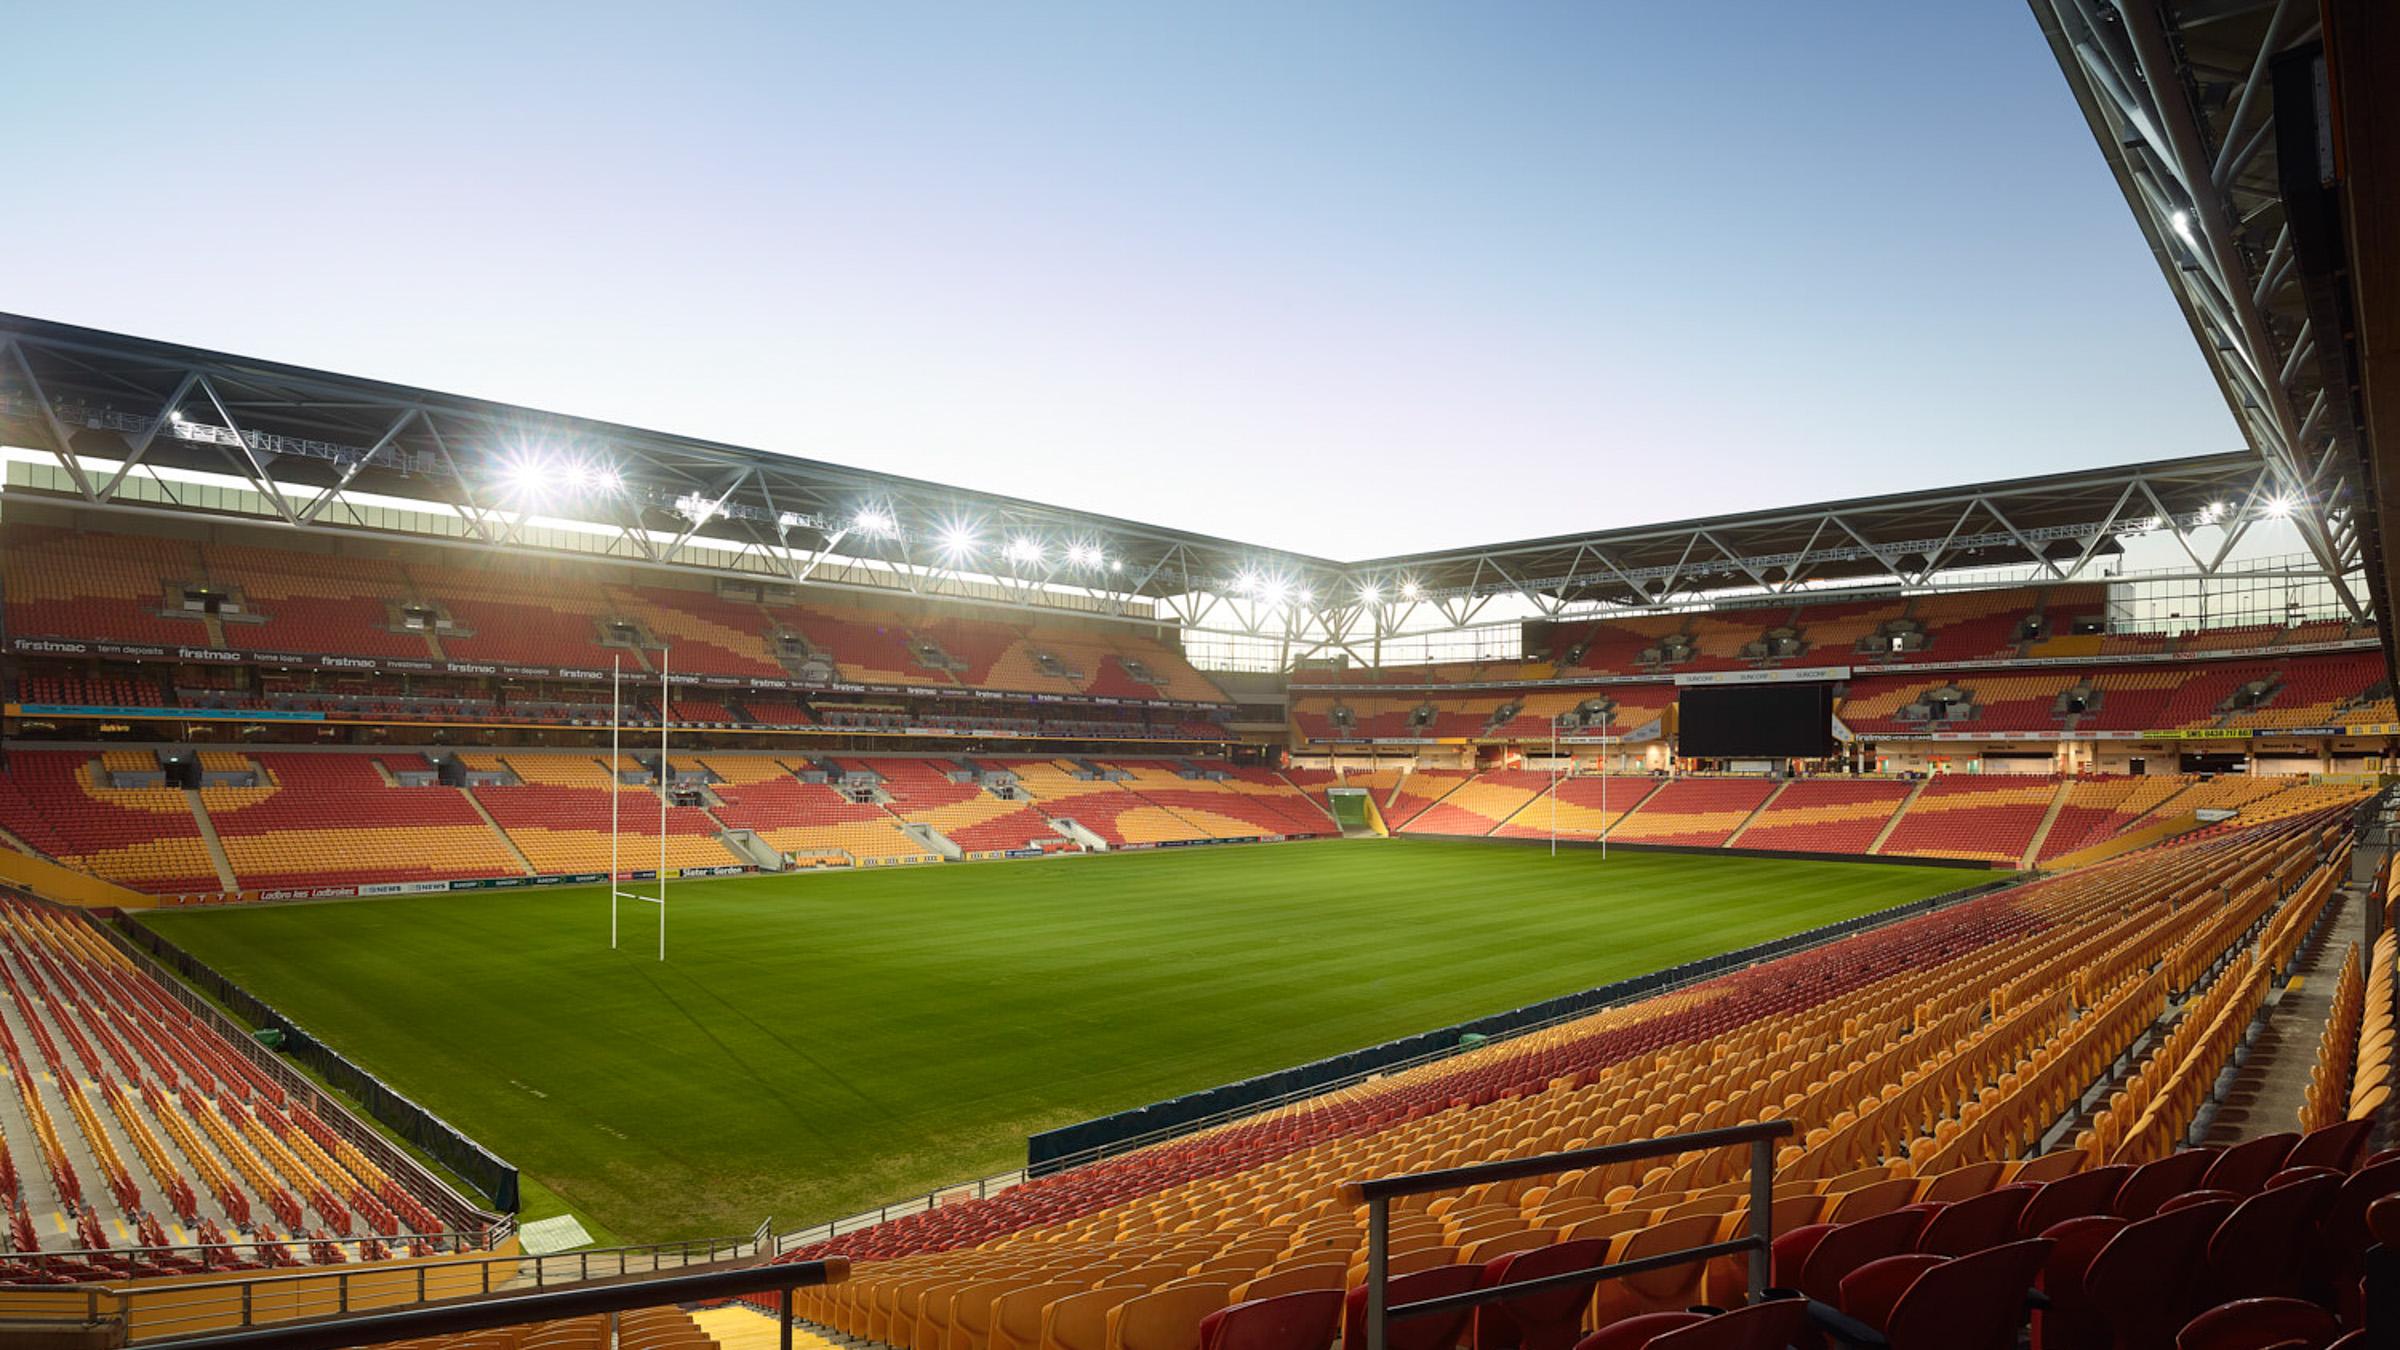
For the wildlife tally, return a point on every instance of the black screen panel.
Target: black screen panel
(1756, 721)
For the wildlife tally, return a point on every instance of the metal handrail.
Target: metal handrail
(1377, 1195)
(516, 1310)
(165, 1304)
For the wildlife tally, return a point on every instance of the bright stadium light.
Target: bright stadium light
(959, 541)
(1024, 550)
(1306, 596)
(2281, 508)
(2212, 511)
(1246, 584)
(1370, 594)
(1083, 555)
(1116, 565)
(604, 479)
(1272, 591)
(1409, 591)
(528, 476)
(874, 520)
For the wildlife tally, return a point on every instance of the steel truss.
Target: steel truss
(315, 447)
(325, 453)
(2180, 96)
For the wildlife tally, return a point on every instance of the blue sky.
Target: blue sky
(1353, 279)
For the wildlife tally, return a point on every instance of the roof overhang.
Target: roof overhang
(2182, 97)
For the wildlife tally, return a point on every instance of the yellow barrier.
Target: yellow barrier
(66, 885)
(2123, 843)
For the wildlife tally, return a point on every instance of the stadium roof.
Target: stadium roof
(2208, 114)
(310, 443)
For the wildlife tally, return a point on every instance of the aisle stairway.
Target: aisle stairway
(1884, 836)
(2272, 1078)
(2058, 803)
(1734, 839)
(208, 838)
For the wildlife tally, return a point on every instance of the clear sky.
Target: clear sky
(1355, 279)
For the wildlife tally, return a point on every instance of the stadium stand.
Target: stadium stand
(297, 602)
(1702, 812)
(1586, 805)
(556, 813)
(2100, 806)
(1478, 805)
(1920, 1126)
(1413, 792)
(1826, 815)
(1119, 816)
(139, 589)
(1989, 817)
(68, 583)
(334, 820)
(546, 616)
(1234, 807)
(60, 801)
(812, 823)
(706, 635)
(132, 1124)
(965, 813)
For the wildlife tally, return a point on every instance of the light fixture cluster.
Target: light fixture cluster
(535, 478)
(1373, 593)
(962, 540)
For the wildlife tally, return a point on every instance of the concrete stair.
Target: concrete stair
(2033, 847)
(1884, 835)
(208, 837)
(501, 834)
(1752, 819)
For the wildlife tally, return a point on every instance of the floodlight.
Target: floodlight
(1246, 583)
(527, 477)
(1024, 550)
(2212, 511)
(1409, 591)
(1272, 592)
(1083, 555)
(1116, 565)
(1370, 594)
(2281, 508)
(605, 479)
(958, 540)
(875, 520)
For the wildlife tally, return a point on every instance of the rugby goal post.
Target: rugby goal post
(1558, 776)
(616, 726)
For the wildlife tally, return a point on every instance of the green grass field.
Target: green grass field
(817, 1045)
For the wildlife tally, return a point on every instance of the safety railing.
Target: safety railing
(525, 1309)
(1377, 1195)
(218, 1298)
